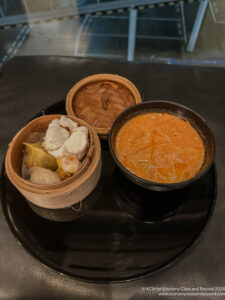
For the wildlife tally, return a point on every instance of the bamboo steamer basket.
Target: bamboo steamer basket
(102, 131)
(66, 193)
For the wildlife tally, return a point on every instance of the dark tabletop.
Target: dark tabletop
(29, 84)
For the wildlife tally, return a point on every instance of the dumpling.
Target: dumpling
(55, 136)
(59, 152)
(68, 123)
(43, 176)
(37, 157)
(77, 144)
(67, 166)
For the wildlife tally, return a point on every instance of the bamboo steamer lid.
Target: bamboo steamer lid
(65, 193)
(73, 103)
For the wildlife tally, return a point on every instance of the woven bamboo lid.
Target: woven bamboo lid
(100, 98)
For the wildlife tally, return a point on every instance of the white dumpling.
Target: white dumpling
(77, 144)
(59, 152)
(55, 136)
(43, 176)
(70, 164)
(83, 129)
(68, 123)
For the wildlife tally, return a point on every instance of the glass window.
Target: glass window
(174, 32)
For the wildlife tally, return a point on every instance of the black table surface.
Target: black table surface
(29, 84)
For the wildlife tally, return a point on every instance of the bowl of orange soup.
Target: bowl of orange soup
(161, 145)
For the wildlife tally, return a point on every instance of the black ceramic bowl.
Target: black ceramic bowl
(183, 113)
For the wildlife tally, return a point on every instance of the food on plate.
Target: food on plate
(67, 165)
(37, 156)
(100, 102)
(160, 147)
(43, 176)
(58, 155)
(77, 143)
(59, 130)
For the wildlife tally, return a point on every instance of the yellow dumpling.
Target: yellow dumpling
(37, 156)
(62, 174)
(67, 166)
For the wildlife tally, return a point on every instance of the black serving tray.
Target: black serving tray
(131, 232)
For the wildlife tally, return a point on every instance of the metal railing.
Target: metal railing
(52, 9)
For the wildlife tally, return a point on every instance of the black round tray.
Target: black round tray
(131, 232)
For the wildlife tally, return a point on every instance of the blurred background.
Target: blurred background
(165, 31)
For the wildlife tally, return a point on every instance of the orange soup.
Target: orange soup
(160, 147)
